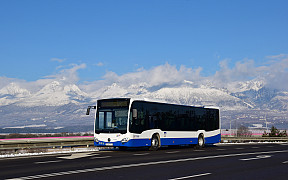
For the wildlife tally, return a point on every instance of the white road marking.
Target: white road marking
(186, 177)
(141, 154)
(172, 152)
(100, 157)
(46, 162)
(257, 157)
(285, 162)
(77, 155)
(143, 164)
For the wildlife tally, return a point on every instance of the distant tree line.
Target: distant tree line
(243, 131)
(274, 132)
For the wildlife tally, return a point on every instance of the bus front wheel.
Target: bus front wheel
(201, 141)
(155, 143)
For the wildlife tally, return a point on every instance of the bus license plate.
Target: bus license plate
(109, 144)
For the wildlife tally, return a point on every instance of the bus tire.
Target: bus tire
(201, 141)
(155, 143)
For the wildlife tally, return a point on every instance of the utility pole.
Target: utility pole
(266, 122)
(230, 128)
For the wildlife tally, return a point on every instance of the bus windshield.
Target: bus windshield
(111, 120)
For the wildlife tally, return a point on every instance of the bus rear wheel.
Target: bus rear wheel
(155, 143)
(201, 141)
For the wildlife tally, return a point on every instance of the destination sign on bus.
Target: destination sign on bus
(113, 104)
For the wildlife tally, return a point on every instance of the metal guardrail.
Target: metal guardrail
(254, 139)
(51, 142)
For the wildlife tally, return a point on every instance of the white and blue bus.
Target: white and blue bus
(126, 122)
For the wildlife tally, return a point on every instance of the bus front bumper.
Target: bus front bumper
(130, 143)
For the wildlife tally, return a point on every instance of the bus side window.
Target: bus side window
(156, 121)
(151, 123)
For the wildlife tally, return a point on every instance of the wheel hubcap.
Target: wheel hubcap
(154, 142)
(201, 142)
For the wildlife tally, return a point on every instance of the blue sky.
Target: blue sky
(41, 38)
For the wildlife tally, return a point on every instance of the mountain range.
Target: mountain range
(58, 105)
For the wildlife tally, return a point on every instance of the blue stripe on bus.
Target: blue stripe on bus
(213, 139)
(164, 142)
(130, 143)
(178, 141)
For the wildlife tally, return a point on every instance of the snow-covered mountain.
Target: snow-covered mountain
(56, 94)
(13, 89)
(52, 94)
(61, 104)
(12, 93)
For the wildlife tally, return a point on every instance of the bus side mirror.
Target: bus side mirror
(88, 109)
(134, 113)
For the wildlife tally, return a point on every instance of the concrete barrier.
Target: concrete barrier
(53, 142)
(45, 142)
(254, 139)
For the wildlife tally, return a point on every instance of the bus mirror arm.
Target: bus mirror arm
(88, 109)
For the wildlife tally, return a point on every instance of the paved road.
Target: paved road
(249, 161)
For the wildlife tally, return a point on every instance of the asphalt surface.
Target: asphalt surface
(248, 161)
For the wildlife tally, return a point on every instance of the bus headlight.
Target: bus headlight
(96, 140)
(124, 140)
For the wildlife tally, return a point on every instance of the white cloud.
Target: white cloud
(280, 56)
(99, 64)
(274, 75)
(164, 74)
(68, 75)
(243, 70)
(58, 59)
(4, 81)
(155, 77)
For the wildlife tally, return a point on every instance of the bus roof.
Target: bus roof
(164, 102)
